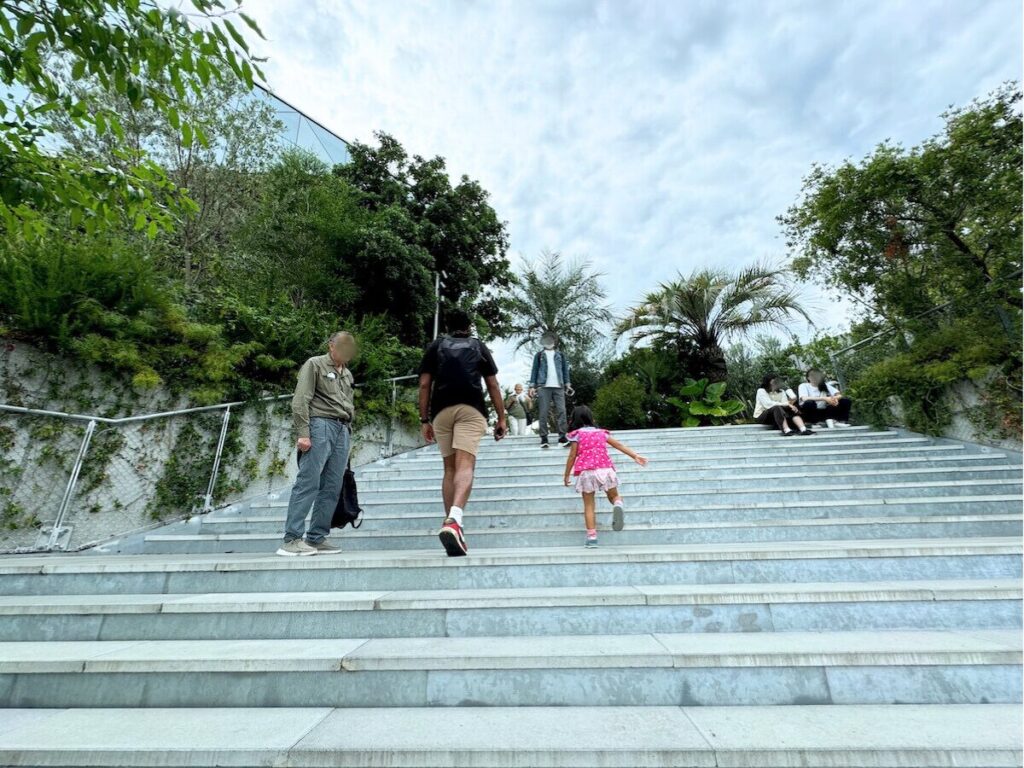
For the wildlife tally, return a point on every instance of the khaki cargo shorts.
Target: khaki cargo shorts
(459, 427)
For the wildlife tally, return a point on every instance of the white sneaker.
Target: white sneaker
(296, 548)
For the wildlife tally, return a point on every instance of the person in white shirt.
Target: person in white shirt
(772, 405)
(549, 383)
(821, 400)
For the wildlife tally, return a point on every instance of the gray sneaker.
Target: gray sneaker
(296, 548)
(323, 548)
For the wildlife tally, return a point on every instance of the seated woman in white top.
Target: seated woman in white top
(820, 400)
(772, 406)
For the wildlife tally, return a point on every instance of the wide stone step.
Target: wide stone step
(890, 667)
(635, 533)
(952, 604)
(557, 496)
(875, 736)
(270, 519)
(795, 457)
(957, 465)
(775, 446)
(837, 561)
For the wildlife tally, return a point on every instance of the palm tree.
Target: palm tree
(565, 298)
(698, 314)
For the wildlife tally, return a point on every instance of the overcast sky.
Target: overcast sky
(650, 137)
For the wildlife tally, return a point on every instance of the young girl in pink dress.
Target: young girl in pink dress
(589, 461)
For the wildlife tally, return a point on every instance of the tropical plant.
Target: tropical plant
(564, 298)
(701, 403)
(698, 314)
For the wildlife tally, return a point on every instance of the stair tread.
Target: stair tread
(101, 563)
(681, 594)
(853, 648)
(862, 735)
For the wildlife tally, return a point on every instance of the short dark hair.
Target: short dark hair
(458, 320)
(766, 382)
(581, 417)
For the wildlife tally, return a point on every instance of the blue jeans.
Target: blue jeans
(318, 483)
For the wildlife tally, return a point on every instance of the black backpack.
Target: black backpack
(458, 364)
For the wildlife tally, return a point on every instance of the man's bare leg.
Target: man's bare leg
(462, 481)
(448, 484)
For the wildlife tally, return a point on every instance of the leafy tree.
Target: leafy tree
(904, 231)
(619, 404)
(453, 229)
(150, 55)
(698, 314)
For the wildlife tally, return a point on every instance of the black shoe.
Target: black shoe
(563, 441)
(808, 432)
(788, 434)
(544, 444)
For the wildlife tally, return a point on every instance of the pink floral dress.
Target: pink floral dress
(593, 467)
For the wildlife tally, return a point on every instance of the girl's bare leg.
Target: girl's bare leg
(613, 495)
(589, 518)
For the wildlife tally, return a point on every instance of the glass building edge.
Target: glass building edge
(302, 131)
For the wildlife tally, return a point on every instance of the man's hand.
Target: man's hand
(500, 429)
(304, 444)
(427, 430)
(569, 390)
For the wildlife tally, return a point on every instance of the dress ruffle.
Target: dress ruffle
(596, 480)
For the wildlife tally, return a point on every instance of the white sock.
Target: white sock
(455, 513)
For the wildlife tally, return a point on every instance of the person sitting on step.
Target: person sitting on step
(772, 406)
(820, 400)
(589, 461)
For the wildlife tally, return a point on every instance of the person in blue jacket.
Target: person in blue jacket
(549, 383)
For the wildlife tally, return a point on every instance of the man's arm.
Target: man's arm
(427, 428)
(565, 371)
(499, 406)
(303, 396)
(532, 383)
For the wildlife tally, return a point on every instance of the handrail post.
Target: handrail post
(208, 498)
(838, 371)
(390, 448)
(69, 491)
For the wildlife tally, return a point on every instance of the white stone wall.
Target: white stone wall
(124, 465)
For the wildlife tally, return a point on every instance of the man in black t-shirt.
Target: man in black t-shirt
(453, 413)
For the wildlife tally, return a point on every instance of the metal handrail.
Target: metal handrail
(92, 420)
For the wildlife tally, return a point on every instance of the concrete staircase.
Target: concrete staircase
(759, 609)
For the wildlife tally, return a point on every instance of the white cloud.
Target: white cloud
(651, 137)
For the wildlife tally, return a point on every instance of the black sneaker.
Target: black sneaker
(563, 441)
(788, 434)
(807, 432)
(544, 444)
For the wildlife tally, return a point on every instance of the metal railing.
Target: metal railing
(57, 535)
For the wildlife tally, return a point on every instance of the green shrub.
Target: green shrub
(619, 404)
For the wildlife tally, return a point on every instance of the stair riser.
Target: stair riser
(917, 451)
(714, 477)
(562, 498)
(533, 620)
(598, 573)
(533, 519)
(774, 447)
(511, 538)
(702, 686)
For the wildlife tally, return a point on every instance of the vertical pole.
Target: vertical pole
(69, 491)
(208, 498)
(437, 303)
(838, 371)
(390, 447)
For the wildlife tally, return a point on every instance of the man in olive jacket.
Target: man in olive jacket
(322, 411)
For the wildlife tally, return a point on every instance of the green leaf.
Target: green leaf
(25, 24)
(691, 421)
(236, 36)
(186, 134)
(714, 391)
(152, 231)
(251, 23)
